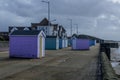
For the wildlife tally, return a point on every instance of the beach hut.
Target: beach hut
(69, 41)
(51, 43)
(63, 42)
(66, 42)
(60, 43)
(27, 44)
(92, 42)
(79, 43)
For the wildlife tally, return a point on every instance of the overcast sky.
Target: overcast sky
(100, 18)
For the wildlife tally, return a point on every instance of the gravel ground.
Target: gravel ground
(62, 64)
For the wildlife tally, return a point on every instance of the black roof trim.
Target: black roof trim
(51, 36)
(26, 32)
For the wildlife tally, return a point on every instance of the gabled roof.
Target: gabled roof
(44, 22)
(83, 36)
(63, 29)
(20, 28)
(25, 32)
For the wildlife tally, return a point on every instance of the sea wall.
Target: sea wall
(107, 70)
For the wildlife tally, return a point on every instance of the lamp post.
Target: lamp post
(76, 28)
(48, 2)
(71, 25)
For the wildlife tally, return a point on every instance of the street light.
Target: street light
(71, 25)
(76, 28)
(48, 2)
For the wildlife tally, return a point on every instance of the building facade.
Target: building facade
(51, 30)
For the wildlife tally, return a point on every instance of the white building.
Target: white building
(52, 30)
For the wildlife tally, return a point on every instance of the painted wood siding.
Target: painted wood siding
(63, 43)
(60, 43)
(66, 43)
(43, 54)
(50, 44)
(74, 44)
(92, 42)
(57, 43)
(41, 47)
(22, 46)
(80, 44)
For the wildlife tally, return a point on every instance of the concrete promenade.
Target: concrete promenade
(63, 64)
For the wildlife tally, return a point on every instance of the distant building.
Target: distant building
(4, 35)
(56, 36)
(52, 30)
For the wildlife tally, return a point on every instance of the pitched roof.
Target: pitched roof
(25, 32)
(44, 22)
(20, 28)
(83, 36)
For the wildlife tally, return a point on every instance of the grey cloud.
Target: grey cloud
(83, 12)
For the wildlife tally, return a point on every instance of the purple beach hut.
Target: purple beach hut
(27, 44)
(80, 44)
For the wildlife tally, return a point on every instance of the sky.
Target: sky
(100, 18)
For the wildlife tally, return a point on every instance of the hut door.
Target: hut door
(41, 47)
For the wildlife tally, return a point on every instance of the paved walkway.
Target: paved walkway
(62, 64)
(3, 49)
